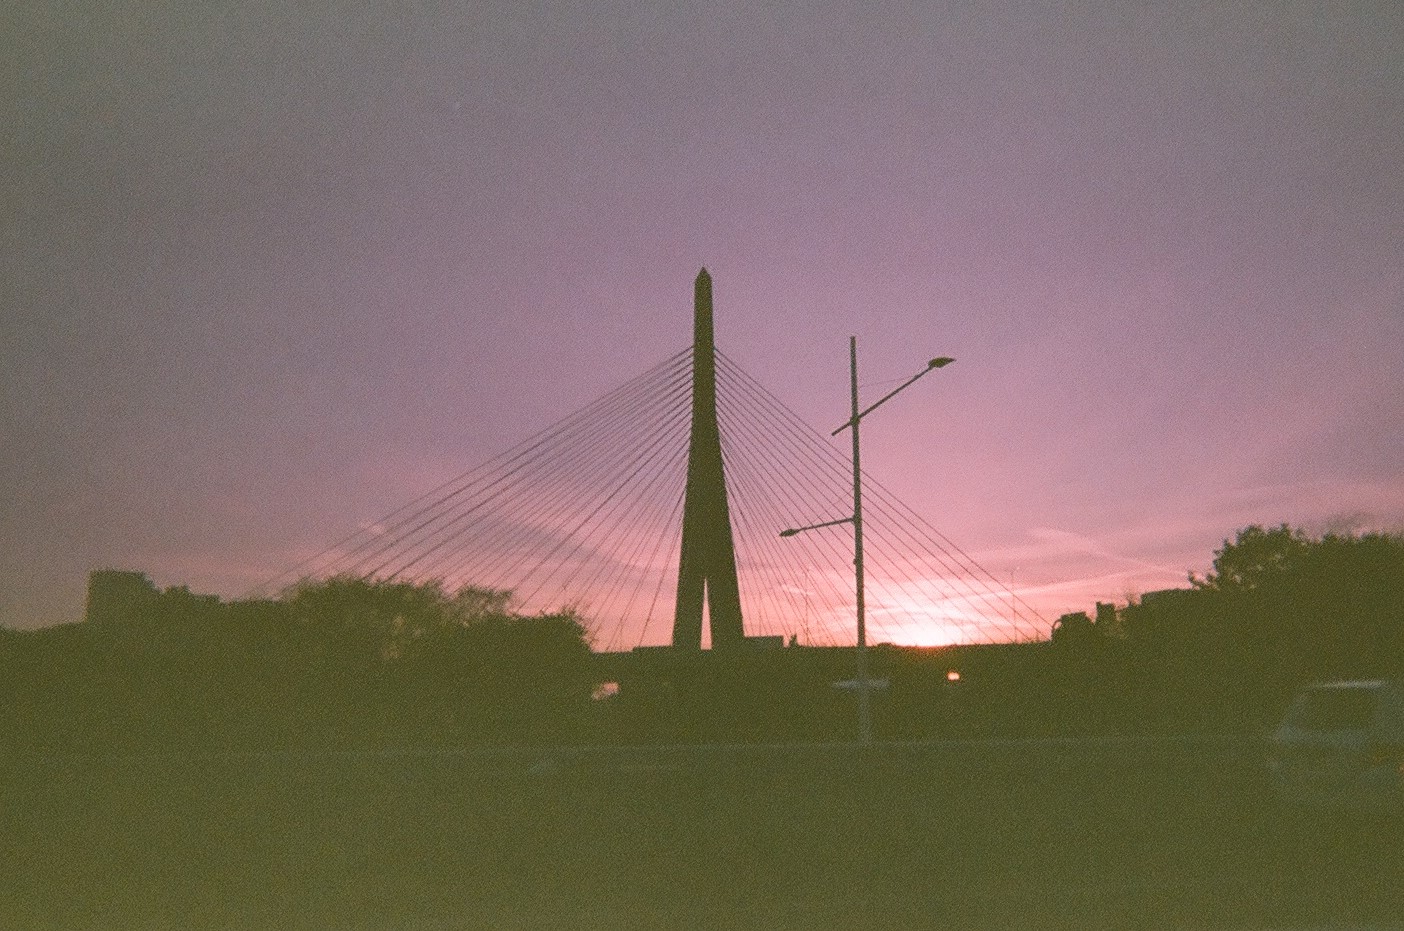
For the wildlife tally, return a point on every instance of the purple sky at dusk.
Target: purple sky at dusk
(269, 272)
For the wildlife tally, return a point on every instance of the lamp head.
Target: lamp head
(940, 362)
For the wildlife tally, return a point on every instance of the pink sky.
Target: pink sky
(269, 273)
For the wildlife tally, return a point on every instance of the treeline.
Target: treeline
(1278, 609)
(338, 663)
(356, 663)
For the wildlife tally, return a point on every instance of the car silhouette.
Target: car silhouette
(1341, 747)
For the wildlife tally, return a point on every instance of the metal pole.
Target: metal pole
(865, 718)
(865, 715)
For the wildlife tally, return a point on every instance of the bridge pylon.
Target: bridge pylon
(707, 563)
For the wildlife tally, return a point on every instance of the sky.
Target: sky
(272, 269)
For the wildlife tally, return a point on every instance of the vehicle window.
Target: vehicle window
(1333, 709)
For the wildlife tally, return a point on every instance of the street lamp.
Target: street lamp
(865, 718)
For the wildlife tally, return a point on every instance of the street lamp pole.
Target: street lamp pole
(865, 716)
(865, 710)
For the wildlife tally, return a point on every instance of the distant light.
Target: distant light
(939, 362)
(953, 675)
(788, 533)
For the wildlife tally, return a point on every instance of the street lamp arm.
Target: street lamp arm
(827, 523)
(936, 363)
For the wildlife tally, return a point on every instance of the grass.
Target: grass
(961, 836)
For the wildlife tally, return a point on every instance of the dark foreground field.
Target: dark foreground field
(964, 835)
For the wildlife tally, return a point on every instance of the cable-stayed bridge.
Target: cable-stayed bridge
(663, 500)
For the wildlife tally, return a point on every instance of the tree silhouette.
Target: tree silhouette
(1278, 609)
(1255, 558)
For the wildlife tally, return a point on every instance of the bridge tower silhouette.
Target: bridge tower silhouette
(707, 562)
